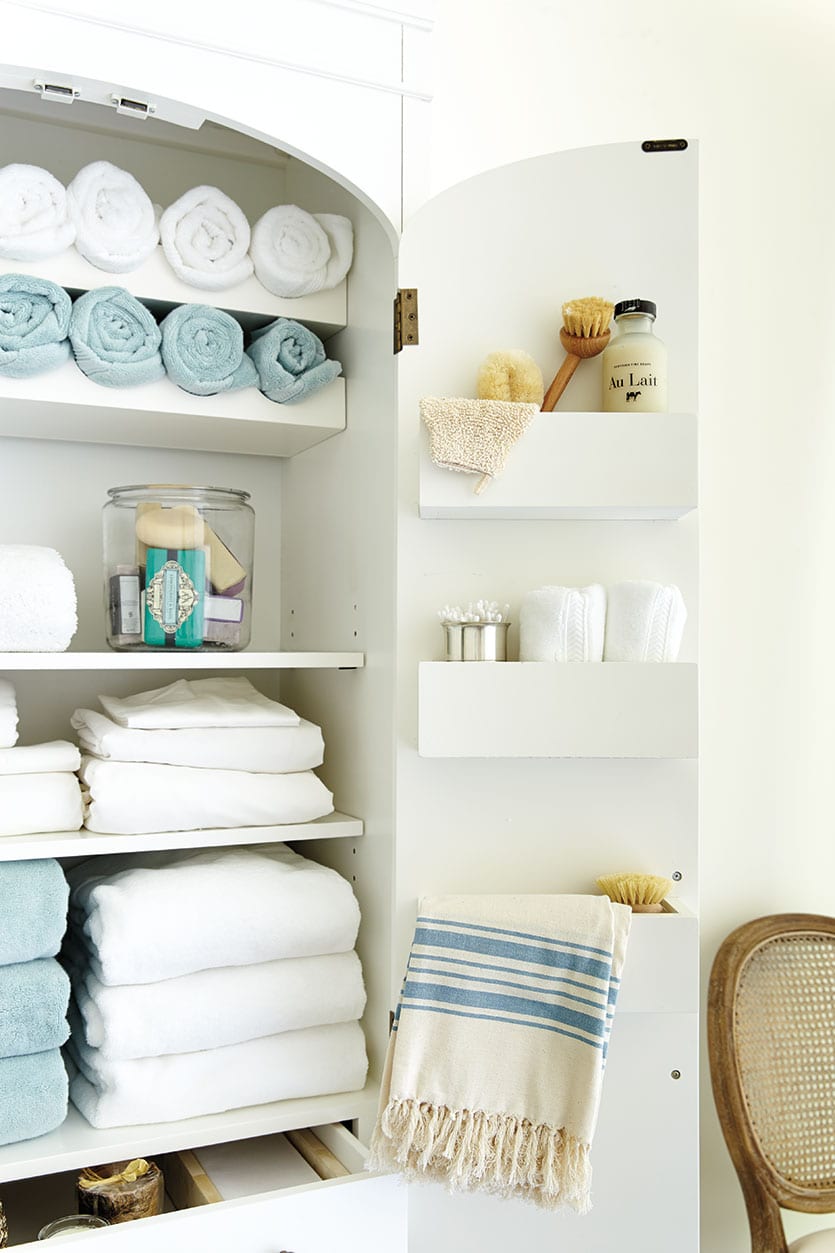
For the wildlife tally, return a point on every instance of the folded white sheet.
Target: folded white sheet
(205, 237)
(213, 1008)
(221, 702)
(30, 803)
(563, 624)
(152, 916)
(8, 714)
(132, 798)
(115, 221)
(297, 253)
(304, 1063)
(265, 750)
(33, 214)
(37, 600)
(645, 622)
(57, 757)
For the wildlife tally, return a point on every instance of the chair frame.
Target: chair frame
(764, 1190)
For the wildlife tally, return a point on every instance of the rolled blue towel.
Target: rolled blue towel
(33, 909)
(34, 322)
(115, 339)
(33, 1095)
(203, 351)
(33, 1007)
(290, 361)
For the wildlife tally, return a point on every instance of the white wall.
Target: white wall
(754, 85)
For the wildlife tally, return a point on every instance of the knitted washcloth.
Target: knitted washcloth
(474, 436)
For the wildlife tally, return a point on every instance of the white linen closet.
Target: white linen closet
(447, 778)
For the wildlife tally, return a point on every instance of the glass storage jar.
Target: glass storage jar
(177, 567)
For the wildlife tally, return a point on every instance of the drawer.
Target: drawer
(357, 1213)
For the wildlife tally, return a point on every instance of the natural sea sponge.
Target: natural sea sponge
(510, 375)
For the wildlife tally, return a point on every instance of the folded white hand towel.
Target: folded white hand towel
(37, 600)
(563, 624)
(297, 253)
(33, 214)
(132, 798)
(58, 757)
(8, 714)
(645, 622)
(153, 916)
(205, 237)
(115, 223)
(221, 702)
(30, 803)
(304, 1063)
(213, 1008)
(264, 750)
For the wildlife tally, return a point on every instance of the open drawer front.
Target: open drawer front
(355, 1212)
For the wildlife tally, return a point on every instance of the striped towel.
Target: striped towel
(496, 1057)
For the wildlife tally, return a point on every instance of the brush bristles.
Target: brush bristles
(635, 889)
(587, 318)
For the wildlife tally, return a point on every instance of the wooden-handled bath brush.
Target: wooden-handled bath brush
(644, 892)
(584, 333)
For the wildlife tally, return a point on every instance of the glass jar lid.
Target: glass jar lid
(180, 491)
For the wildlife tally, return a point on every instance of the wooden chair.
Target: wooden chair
(771, 1040)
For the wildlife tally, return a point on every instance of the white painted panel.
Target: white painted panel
(574, 709)
(661, 974)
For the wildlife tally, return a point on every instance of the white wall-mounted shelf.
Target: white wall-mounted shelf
(181, 659)
(65, 405)
(585, 466)
(661, 972)
(92, 843)
(573, 709)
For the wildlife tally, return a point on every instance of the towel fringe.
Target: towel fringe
(497, 1153)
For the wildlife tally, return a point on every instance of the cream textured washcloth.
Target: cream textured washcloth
(495, 1064)
(644, 622)
(563, 624)
(474, 436)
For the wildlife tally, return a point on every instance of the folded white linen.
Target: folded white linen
(31, 803)
(264, 750)
(205, 237)
(212, 1008)
(134, 798)
(57, 757)
(33, 214)
(563, 624)
(311, 1062)
(37, 600)
(152, 916)
(645, 622)
(8, 714)
(221, 702)
(115, 223)
(297, 253)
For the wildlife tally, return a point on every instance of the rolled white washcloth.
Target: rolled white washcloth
(33, 214)
(645, 622)
(221, 702)
(297, 253)
(37, 600)
(563, 624)
(115, 221)
(57, 757)
(8, 714)
(206, 237)
(31, 803)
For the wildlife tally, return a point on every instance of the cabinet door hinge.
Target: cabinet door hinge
(405, 318)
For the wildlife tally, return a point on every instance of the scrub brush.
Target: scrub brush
(584, 333)
(644, 892)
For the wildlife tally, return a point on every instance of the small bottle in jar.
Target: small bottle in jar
(635, 362)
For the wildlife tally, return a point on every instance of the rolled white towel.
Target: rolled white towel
(31, 803)
(563, 624)
(114, 219)
(221, 702)
(57, 757)
(645, 622)
(37, 600)
(205, 237)
(8, 714)
(297, 253)
(33, 214)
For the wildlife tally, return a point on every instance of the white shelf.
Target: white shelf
(181, 659)
(661, 972)
(92, 843)
(586, 466)
(76, 1143)
(574, 709)
(156, 284)
(65, 405)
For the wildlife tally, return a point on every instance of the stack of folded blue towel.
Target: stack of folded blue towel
(34, 995)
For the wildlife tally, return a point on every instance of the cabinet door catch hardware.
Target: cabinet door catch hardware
(61, 92)
(405, 318)
(664, 145)
(132, 108)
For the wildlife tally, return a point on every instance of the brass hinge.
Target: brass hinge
(405, 318)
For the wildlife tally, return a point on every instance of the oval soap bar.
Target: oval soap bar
(181, 526)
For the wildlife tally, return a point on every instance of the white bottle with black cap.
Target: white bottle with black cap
(635, 362)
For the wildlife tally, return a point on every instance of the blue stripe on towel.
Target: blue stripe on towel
(516, 952)
(528, 1007)
(505, 983)
(527, 974)
(519, 935)
(540, 1026)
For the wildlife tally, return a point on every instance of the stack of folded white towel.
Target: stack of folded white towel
(39, 789)
(634, 621)
(211, 980)
(198, 754)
